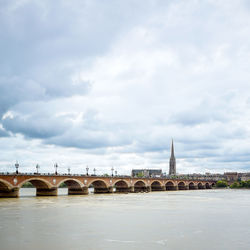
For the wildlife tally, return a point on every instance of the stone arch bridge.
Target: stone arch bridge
(47, 185)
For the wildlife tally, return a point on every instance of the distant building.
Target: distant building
(206, 176)
(172, 161)
(146, 173)
(231, 176)
(244, 176)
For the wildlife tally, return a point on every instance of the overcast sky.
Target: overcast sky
(109, 83)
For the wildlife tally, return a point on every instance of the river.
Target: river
(194, 219)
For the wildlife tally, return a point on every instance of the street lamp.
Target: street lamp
(68, 170)
(94, 170)
(87, 170)
(37, 167)
(16, 166)
(112, 169)
(115, 172)
(56, 166)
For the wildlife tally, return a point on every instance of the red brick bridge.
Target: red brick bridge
(79, 184)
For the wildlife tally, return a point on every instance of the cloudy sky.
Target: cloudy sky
(109, 83)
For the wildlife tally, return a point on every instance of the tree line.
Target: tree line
(237, 184)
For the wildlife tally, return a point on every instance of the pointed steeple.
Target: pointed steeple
(172, 162)
(172, 149)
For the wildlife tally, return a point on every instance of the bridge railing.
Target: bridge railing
(174, 178)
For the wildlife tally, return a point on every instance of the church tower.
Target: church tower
(172, 162)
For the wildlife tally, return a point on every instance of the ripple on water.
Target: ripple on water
(157, 220)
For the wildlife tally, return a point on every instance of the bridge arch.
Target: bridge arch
(156, 186)
(170, 186)
(200, 186)
(181, 185)
(5, 185)
(191, 186)
(140, 186)
(121, 186)
(100, 186)
(71, 183)
(7, 189)
(37, 182)
(98, 181)
(122, 181)
(75, 187)
(43, 187)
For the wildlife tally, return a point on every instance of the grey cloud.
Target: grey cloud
(40, 50)
(234, 158)
(209, 110)
(85, 140)
(13, 90)
(153, 71)
(3, 133)
(16, 90)
(92, 134)
(43, 31)
(55, 127)
(35, 126)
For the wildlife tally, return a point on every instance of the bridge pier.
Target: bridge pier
(46, 192)
(78, 191)
(148, 189)
(122, 189)
(11, 193)
(200, 186)
(132, 189)
(141, 189)
(101, 190)
(157, 188)
(171, 187)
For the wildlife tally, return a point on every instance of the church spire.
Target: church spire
(172, 162)
(172, 149)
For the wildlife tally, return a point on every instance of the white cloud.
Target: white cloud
(111, 84)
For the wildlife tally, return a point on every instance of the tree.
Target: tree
(248, 184)
(235, 185)
(27, 185)
(221, 184)
(63, 185)
(140, 174)
(241, 184)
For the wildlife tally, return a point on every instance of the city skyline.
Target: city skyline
(87, 83)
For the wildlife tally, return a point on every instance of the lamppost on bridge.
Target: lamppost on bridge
(68, 170)
(16, 166)
(112, 169)
(56, 166)
(115, 172)
(37, 167)
(94, 171)
(87, 170)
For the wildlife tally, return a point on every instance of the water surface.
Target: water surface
(194, 219)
